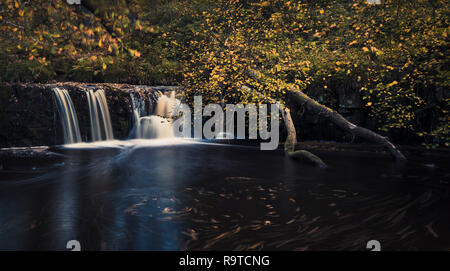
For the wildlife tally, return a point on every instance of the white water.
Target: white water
(154, 127)
(134, 143)
(68, 116)
(131, 144)
(158, 125)
(101, 128)
(166, 104)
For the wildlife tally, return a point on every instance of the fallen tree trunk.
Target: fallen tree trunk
(291, 140)
(343, 123)
(315, 107)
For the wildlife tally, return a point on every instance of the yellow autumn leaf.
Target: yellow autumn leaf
(392, 84)
(365, 49)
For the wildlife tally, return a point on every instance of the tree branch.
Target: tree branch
(317, 108)
(291, 140)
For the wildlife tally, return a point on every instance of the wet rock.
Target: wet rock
(22, 156)
(349, 98)
(26, 113)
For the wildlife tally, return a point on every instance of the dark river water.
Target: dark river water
(195, 196)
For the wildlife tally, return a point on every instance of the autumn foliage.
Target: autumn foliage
(394, 55)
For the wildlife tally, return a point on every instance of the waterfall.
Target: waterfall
(68, 116)
(165, 104)
(152, 102)
(101, 128)
(138, 106)
(157, 124)
(154, 127)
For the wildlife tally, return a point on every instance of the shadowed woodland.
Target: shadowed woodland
(392, 57)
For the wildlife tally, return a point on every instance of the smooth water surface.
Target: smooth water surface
(175, 194)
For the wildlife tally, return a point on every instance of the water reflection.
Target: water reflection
(177, 194)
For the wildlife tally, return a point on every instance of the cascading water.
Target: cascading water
(101, 128)
(154, 127)
(138, 105)
(152, 102)
(68, 116)
(158, 123)
(165, 105)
